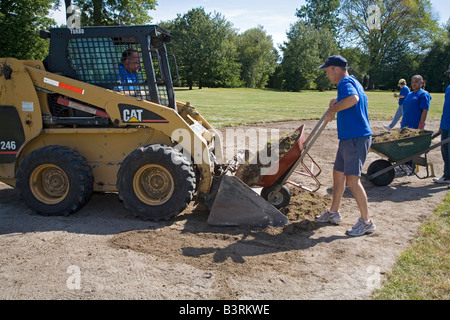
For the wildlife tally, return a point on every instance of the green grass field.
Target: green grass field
(230, 107)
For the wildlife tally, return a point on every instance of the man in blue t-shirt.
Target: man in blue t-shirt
(416, 105)
(445, 133)
(355, 138)
(128, 73)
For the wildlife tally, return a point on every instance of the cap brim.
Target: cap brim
(323, 66)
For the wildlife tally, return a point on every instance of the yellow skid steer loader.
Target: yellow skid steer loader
(99, 115)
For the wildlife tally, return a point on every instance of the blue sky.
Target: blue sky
(275, 16)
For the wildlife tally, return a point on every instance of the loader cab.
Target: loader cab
(129, 59)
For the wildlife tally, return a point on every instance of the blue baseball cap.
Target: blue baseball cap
(337, 61)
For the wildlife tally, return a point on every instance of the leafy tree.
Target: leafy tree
(20, 23)
(434, 64)
(112, 12)
(306, 49)
(405, 26)
(205, 49)
(321, 14)
(447, 28)
(225, 67)
(257, 56)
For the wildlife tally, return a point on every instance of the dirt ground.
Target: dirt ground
(103, 252)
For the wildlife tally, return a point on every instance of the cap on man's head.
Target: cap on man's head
(448, 70)
(336, 61)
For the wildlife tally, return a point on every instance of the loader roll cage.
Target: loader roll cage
(97, 55)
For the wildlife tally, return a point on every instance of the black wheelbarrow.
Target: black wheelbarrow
(410, 152)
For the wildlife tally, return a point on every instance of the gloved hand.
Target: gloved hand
(422, 125)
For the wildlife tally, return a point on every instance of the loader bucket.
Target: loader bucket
(236, 204)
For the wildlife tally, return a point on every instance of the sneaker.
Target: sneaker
(441, 180)
(388, 128)
(328, 216)
(361, 228)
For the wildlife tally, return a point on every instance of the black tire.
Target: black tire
(280, 200)
(385, 178)
(54, 181)
(156, 182)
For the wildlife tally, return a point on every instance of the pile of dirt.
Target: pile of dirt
(250, 171)
(399, 134)
(305, 204)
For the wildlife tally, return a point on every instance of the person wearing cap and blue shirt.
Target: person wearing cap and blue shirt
(445, 133)
(355, 138)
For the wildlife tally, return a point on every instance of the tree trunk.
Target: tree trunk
(68, 3)
(97, 15)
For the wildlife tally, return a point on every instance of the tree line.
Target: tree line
(383, 40)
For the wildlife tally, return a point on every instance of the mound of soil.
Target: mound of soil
(399, 134)
(305, 205)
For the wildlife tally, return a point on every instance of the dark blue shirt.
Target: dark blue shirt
(354, 121)
(445, 119)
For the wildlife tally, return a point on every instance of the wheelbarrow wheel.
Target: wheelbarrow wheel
(384, 179)
(280, 199)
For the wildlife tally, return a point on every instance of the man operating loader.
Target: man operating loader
(128, 72)
(355, 138)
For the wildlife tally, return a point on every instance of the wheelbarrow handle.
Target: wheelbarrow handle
(315, 133)
(437, 134)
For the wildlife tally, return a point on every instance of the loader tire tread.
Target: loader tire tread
(72, 163)
(182, 173)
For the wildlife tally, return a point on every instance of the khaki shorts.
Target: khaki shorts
(351, 155)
